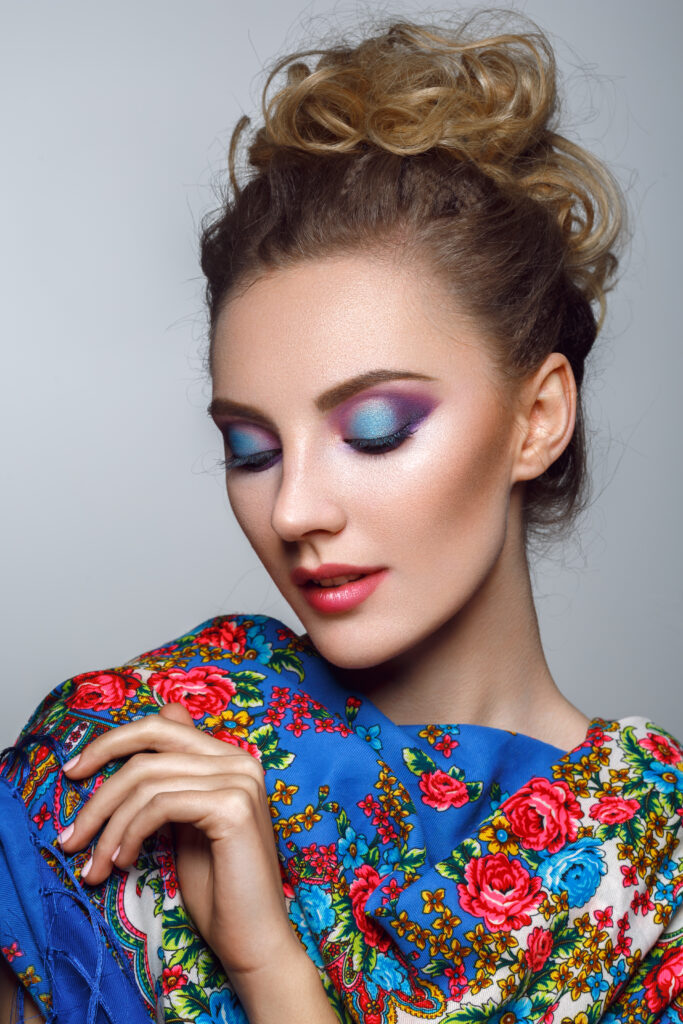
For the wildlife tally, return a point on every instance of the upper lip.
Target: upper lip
(302, 575)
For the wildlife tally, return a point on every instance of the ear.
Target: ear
(546, 417)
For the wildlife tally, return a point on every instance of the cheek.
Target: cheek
(454, 483)
(252, 514)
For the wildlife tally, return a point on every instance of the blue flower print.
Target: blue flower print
(316, 904)
(597, 984)
(223, 1008)
(296, 915)
(257, 641)
(390, 858)
(389, 975)
(576, 868)
(521, 1008)
(619, 972)
(370, 735)
(664, 777)
(352, 848)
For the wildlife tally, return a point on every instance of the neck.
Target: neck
(484, 666)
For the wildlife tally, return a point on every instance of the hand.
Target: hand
(214, 794)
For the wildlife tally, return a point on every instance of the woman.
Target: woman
(396, 816)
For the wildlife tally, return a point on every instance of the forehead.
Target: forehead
(324, 320)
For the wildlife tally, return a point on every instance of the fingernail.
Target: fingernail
(66, 834)
(86, 869)
(71, 763)
(116, 852)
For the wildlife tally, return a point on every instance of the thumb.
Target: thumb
(176, 713)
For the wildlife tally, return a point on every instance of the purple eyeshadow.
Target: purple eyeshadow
(380, 414)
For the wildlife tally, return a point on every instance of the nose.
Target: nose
(307, 499)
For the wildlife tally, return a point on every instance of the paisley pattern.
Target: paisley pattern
(432, 872)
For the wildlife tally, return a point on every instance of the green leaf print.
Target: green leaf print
(417, 761)
(285, 660)
(178, 929)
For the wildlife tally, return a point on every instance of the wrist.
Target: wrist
(286, 991)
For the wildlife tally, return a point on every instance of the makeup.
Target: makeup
(381, 413)
(345, 596)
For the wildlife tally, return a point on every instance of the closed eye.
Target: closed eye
(259, 461)
(380, 445)
(252, 463)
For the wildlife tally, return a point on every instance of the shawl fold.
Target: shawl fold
(441, 872)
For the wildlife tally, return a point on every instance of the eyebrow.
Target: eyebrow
(327, 400)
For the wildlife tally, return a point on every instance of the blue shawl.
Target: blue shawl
(444, 872)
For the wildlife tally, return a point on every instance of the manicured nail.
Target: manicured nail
(115, 854)
(86, 869)
(70, 764)
(66, 834)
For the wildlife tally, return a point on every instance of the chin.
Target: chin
(347, 645)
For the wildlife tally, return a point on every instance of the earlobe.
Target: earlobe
(547, 417)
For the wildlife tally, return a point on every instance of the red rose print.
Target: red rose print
(228, 736)
(501, 891)
(538, 951)
(662, 748)
(103, 689)
(228, 635)
(442, 791)
(366, 881)
(543, 814)
(205, 690)
(612, 809)
(665, 981)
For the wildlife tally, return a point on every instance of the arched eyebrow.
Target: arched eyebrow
(327, 400)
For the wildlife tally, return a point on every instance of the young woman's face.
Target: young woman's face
(364, 427)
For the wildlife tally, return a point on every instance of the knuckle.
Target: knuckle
(252, 768)
(238, 806)
(157, 799)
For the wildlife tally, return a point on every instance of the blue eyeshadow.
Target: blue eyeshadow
(243, 441)
(376, 417)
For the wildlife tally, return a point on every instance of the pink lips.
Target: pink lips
(343, 597)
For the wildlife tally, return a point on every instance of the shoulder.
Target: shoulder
(233, 656)
(224, 671)
(196, 668)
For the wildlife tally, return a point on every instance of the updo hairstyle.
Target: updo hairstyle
(440, 145)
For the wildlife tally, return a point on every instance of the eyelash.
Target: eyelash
(369, 446)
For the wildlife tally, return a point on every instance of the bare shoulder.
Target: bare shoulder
(8, 998)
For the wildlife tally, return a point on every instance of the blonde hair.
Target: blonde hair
(445, 142)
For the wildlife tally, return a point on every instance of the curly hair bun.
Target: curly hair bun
(491, 102)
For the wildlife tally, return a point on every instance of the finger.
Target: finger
(152, 732)
(177, 713)
(211, 805)
(146, 773)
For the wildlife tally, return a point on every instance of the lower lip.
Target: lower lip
(345, 596)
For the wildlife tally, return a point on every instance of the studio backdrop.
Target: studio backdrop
(116, 533)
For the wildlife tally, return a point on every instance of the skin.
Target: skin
(442, 513)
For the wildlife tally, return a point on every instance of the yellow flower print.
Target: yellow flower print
(29, 976)
(561, 975)
(433, 901)
(577, 987)
(431, 733)
(283, 792)
(447, 922)
(487, 961)
(287, 827)
(499, 837)
(308, 817)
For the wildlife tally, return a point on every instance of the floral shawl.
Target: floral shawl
(435, 872)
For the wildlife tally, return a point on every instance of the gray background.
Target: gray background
(116, 532)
